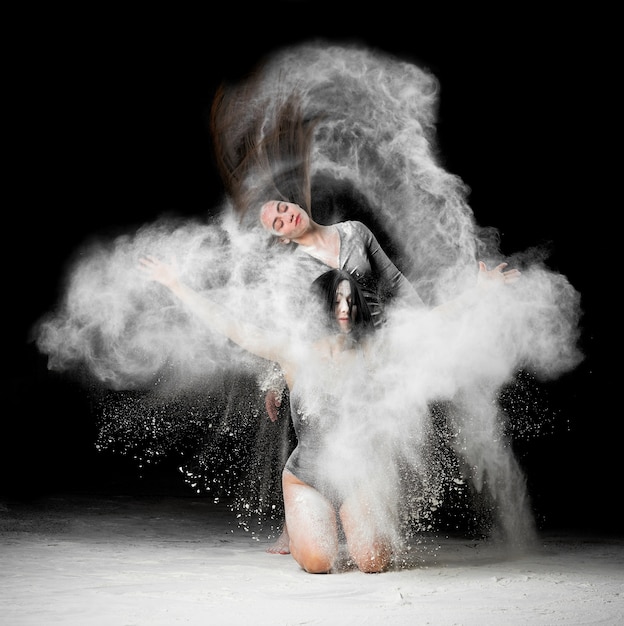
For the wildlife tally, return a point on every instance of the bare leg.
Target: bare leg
(367, 540)
(312, 526)
(282, 544)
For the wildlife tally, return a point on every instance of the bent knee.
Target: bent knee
(314, 562)
(374, 561)
(317, 565)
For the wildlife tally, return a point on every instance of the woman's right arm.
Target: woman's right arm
(247, 336)
(385, 270)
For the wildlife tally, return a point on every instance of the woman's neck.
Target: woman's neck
(344, 341)
(316, 236)
(321, 242)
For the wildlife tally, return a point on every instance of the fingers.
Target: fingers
(272, 402)
(153, 269)
(511, 276)
(147, 266)
(147, 262)
(272, 411)
(497, 274)
(498, 270)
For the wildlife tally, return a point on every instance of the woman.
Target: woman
(326, 376)
(312, 498)
(348, 245)
(265, 167)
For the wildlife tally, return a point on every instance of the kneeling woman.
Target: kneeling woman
(323, 376)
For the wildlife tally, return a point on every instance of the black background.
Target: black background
(107, 128)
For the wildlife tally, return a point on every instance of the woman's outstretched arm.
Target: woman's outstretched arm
(215, 316)
(486, 279)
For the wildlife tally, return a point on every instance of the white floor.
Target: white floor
(161, 561)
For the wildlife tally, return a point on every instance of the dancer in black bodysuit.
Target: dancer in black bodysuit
(328, 375)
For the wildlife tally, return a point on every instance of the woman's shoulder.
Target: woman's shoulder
(350, 224)
(353, 226)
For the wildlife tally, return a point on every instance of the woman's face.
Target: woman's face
(343, 310)
(287, 220)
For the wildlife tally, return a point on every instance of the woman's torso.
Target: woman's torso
(353, 254)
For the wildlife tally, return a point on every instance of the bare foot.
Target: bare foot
(280, 545)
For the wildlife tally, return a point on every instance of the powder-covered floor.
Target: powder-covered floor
(129, 561)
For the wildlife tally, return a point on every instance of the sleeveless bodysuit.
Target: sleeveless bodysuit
(330, 410)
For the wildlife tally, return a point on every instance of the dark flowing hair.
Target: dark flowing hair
(325, 288)
(262, 147)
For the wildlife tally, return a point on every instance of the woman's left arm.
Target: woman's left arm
(248, 336)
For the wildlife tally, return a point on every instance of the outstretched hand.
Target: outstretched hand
(272, 403)
(158, 271)
(496, 276)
